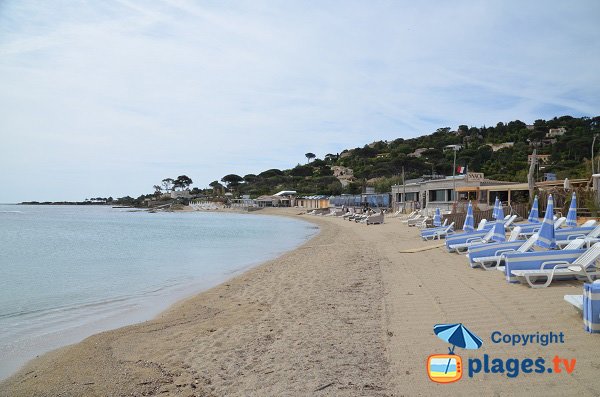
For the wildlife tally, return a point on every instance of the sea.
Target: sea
(67, 272)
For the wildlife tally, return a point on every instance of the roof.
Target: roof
(494, 186)
(315, 197)
(285, 193)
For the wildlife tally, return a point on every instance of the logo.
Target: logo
(448, 368)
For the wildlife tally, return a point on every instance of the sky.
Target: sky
(107, 98)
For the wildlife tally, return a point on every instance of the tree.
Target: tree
(157, 190)
(182, 182)
(217, 187)
(167, 184)
(309, 156)
(232, 180)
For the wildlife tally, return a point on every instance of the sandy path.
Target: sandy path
(345, 314)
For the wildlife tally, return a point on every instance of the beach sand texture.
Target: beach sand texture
(346, 314)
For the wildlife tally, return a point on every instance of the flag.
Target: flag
(461, 170)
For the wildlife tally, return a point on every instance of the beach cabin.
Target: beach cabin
(284, 198)
(313, 202)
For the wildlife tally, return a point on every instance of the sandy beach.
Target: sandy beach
(345, 314)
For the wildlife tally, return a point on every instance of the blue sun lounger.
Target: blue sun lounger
(534, 260)
(583, 266)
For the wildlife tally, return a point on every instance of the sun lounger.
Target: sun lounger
(405, 217)
(376, 219)
(415, 215)
(431, 230)
(582, 267)
(573, 245)
(487, 238)
(528, 229)
(575, 300)
(591, 236)
(413, 221)
(487, 256)
(438, 233)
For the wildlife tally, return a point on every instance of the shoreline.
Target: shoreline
(144, 305)
(259, 327)
(347, 313)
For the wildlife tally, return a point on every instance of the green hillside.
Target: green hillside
(383, 161)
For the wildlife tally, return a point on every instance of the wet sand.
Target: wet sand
(345, 314)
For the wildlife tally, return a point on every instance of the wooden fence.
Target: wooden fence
(521, 210)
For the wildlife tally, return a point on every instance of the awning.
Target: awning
(467, 189)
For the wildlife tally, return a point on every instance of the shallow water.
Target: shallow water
(67, 272)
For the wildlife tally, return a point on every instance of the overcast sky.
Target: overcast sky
(107, 98)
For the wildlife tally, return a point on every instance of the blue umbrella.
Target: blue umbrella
(495, 211)
(437, 218)
(546, 238)
(572, 215)
(469, 225)
(457, 335)
(499, 233)
(534, 216)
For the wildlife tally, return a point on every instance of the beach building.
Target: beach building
(284, 198)
(439, 192)
(369, 199)
(313, 202)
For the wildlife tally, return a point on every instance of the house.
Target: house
(452, 147)
(556, 132)
(541, 158)
(497, 146)
(419, 152)
(180, 194)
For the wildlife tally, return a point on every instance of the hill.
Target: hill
(500, 152)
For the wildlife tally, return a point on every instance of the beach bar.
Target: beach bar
(438, 192)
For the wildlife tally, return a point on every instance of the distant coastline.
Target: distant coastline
(61, 203)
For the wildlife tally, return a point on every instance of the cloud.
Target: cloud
(121, 94)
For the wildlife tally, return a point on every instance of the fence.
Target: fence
(521, 210)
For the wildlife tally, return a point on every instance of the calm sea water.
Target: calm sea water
(67, 272)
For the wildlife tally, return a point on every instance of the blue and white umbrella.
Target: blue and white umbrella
(546, 238)
(534, 215)
(437, 218)
(457, 335)
(469, 225)
(572, 215)
(499, 233)
(495, 211)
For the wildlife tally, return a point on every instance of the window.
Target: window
(437, 195)
(412, 196)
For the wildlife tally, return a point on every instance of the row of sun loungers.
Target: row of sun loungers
(369, 219)
(535, 254)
